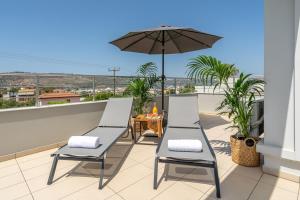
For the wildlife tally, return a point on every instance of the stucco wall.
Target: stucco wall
(28, 128)
(281, 143)
(209, 102)
(279, 70)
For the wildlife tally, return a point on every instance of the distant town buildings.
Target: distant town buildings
(25, 94)
(58, 98)
(9, 95)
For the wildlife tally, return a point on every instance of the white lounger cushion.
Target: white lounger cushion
(185, 145)
(89, 142)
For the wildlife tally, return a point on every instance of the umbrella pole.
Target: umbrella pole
(163, 73)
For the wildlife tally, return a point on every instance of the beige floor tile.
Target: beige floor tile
(128, 177)
(36, 155)
(212, 135)
(143, 189)
(112, 166)
(7, 163)
(207, 197)
(14, 191)
(40, 182)
(197, 177)
(127, 164)
(225, 162)
(26, 197)
(200, 178)
(234, 187)
(11, 180)
(91, 192)
(250, 172)
(133, 176)
(271, 192)
(44, 169)
(115, 197)
(36, 162)
(9, 170)
(180, 191)
(142, 147)
(119, 150)
(222, 171)
(148, 141)
(225, 138)
(280, 183)
(150, 163)
(65, 187)
(142, 155)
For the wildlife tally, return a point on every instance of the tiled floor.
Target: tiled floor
(129, 172)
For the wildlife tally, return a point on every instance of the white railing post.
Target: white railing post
(37, 90)
(94, 85)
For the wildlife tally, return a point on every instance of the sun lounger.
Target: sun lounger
(113, 124)
(184, 123)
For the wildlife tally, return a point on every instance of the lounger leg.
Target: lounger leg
(101, 174)
(167, 167)
(217, 181)
(134, 131)
(155, 173)
(132, 134)
(53, 168)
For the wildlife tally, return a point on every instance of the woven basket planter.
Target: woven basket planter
(243, 152)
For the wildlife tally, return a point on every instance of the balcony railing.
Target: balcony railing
(89, 87)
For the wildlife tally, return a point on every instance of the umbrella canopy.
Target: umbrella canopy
(165, 40)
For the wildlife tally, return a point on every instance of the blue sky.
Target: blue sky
(73, 36)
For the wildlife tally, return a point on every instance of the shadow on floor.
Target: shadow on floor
(116, 157)
(237, 182)
(148, 140)
(221, 147)
(211, 121)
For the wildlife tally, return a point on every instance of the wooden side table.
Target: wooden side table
(154, 122)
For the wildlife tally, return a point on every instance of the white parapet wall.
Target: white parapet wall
(281, 145)
(32, 129)
(22, 129)
(209, 102)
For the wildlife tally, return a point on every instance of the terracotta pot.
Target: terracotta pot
(243, 151)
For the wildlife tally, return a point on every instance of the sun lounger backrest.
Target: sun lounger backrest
(183, 112)
(117, 112)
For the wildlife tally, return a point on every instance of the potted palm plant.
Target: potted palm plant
(140, 86)
(238, 103)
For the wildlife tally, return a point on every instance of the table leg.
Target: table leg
(159, 127)
(134, 131)
(140, 128)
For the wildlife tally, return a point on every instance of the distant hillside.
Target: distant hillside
(63, 80)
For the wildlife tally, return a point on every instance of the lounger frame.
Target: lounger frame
(125, 126)
(197, 163)
(100, 159)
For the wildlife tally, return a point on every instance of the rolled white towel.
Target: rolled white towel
(185, 145)
(89, 142)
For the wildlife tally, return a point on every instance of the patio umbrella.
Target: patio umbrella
(165, 40)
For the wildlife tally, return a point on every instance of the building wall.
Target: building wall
(72, 100)
(281, 142)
